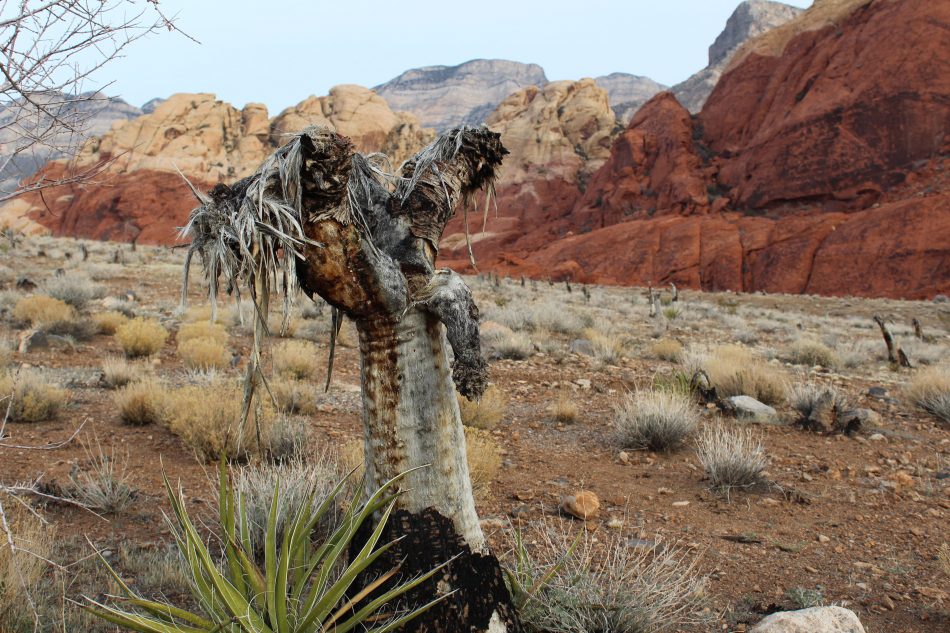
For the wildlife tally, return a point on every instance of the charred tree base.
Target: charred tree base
(480, 602)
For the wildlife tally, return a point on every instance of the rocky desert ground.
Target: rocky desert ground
(832, 487)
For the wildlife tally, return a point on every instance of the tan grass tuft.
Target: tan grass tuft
(202, 329)
(141, 403)
(204, 354)
(141, 337)
(110, 321)
(33, 398)
(40, 310)
(735, 372)
(667, 349)
(484, 413)
(297, 359)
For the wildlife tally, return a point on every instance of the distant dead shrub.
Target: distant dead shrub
(810, 352)
(33, 398)
(202, 330)
(735, 372)
(297, 359)
(141, 337)
(40, 310)
(486, 412)
(141, 403)
(667, 349)
(655, 420)
(108, 322)
(731, 457)
(514, 346)
(930, 390)
(203, 354)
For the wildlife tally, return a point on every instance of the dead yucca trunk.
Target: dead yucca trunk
(369, 250)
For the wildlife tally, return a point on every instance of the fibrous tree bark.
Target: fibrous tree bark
(320, 215)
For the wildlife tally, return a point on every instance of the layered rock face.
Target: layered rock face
(139, 195)
(750, 20)
(627, 92)
(820, 168)
(442, 97)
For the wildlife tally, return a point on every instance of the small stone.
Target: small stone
(769, 502)
(680, 504)
(748, 408)
(823, 539)
(583, 383)
(903, 478)
(583, 505)
(877, 437)
(814, 620)
(887, 603)
(624, 457)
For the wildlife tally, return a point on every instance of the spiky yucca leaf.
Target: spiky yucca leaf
(302, 587)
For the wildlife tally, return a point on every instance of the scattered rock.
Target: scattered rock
(583, 505)
(748, 408)
(680, 504)
(877, 392)
(32, 339)
(582, 347)
(877, 437)
(583, 383)
(813, 620)
(853, 420)
(25, 283)
(823, 539)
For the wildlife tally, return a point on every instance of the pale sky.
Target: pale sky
(280, 51)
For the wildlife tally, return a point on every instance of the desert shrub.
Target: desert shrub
(310, 310)
(810, 352)
(118, 372)
(157, 571)
(588, 584)
(671, 313)
(203, 354)
(6, 351)
(551, 316)
(484, 461)
(108, 322)
(22, 570)
(103, 484)
(853, 354)
(564, 410)
(922, 352)
(655, 420)
(33, 398)
(734, 372)
(607, 348)
(141, 403)
(930, 390)
(484, 413)
(141, 337)
(804, 397)
(667, 349)
(514, 346)
(297, 359)
(124, 306)
(283, 328)
(297, 481)
(731, 457)
(208, 419)
(293, 396)
(202, 330)
(41, 310)
(76, 290)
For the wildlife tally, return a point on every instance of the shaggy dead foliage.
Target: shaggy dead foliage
(299, 480)
(667, 349)
(202, 330)
(296, 359)
(732, 457)
(43, 311)
(117, 372)
(29, 397)
(734, 371)
(810, 352)
(593, 584)
(141, 337)
(23, 566)
(484, 461)
(484, 413)
(110, 321)
(142, 403)
(203, 354)
(655, 420)
(930, 390)
(564, 410)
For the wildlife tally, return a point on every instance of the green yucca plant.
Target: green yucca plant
(301, 588)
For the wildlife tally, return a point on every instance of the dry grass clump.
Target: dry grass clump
(930, 390)
(40, 310)
(484, 461)
(22, 569)
(731, 457)
(297, 359)
(118, 372)
(141, 337)
(515, 346)
(208, 419)
(484, 413)
(293, 396)
(943, 555)
(810, 352)
(298, 481)
(202, 329)
(667, 349)
(204, 354)
(922, 352)
(76, 290)
(110, 321)
(33, 398)
(735, 372)
(141, 403)
(655, 420)
(564, 410)
(607, 348)
(804, 397)
(604, 584)
(103, 485)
